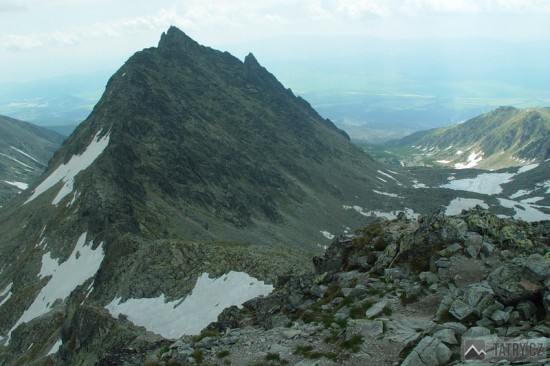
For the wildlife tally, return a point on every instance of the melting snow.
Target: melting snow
(473, 159)
(327, 235)
(521, 192)
(82, 264)
(525, 211)
(526, 168)
(532, 200)
(19, 185)
(389, 215)
(417, 184)
(55, 347)
(387, 194)
(27, 155)
(7, 293)
(458, 204)
(67, 172)
(209, 298)
(442, 161)
(486, 183)
(389, 176)
(17, 161)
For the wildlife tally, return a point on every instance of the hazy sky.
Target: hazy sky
(46, 38)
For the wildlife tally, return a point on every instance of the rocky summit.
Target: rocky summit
(177, 223)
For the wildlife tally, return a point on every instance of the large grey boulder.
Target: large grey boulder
(430, 351)
(523, 278)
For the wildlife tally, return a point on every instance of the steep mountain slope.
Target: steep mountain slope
(501, 138)
(25, 150)
(189, 159)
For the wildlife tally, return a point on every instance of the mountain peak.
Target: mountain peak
(175, 38)
(250, 60)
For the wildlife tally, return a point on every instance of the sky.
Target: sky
(50, 38)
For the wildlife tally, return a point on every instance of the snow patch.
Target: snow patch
(417, 184)
(387, 194)
(19, 162)
(27, 155)
(410, 214)
(6, 290)
(524, 211)
(486, 183)
(443, 161)
(82, 264)
(67, 172)
(55, 347)
(526, 168)
(458, 204)
(7, 293)
(209, 298)
(19, 185)
(521, 192)
(389, 176)
(532, 200)
(473, 159)
(327, 235)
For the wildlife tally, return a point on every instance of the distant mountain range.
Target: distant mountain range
(25, 150)
(501, 138)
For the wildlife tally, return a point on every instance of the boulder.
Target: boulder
(523, 278)
(475, 332)
(446, 336)
(460, 310)
(500, 317)
(376, 309)
(430, 351)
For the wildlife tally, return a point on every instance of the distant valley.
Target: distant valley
(25, 150)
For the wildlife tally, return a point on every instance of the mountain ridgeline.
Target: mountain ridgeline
(202, 144)
(501, 138)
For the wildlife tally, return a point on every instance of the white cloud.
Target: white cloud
(358, 9)
(11, 5)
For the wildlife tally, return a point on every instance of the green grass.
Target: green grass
(353, 343)
(223, 353)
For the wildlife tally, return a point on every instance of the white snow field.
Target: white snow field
(82, 264)
(20, 185)
(485, 183)
(67, 172)
(190, 315)
(458, 204)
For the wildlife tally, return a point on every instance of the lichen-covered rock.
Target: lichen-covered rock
(519, 279)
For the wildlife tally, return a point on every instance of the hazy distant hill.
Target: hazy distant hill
(501, 138)
(25, 150)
